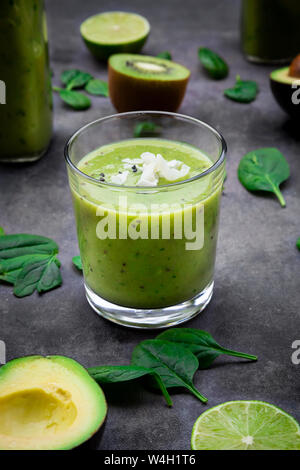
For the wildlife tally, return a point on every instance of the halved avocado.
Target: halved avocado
(286, 90)
(48, 403)
(140, 82)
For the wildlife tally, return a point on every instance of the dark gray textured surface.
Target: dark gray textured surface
(255, 307)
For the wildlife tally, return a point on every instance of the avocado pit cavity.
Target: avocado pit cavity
(36, 413)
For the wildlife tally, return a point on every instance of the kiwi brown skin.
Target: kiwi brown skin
(129, 93)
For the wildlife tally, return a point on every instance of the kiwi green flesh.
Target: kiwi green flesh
(282, 76)
(147, 67)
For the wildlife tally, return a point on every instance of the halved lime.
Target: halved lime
(245, 425)
(115, 31)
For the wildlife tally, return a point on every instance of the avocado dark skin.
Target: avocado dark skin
(287, 93)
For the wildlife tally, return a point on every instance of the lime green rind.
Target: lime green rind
(79, 370)
(270, 426)
(103, 49)
(104, 52)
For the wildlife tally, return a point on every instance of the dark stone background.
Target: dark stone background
(255, 307)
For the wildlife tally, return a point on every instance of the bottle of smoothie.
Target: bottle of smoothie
(26, 100)
(270, 30)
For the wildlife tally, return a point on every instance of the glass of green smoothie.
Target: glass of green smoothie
(25, 84)
(147, 211)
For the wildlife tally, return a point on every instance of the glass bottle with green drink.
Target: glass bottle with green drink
(26, 104)
(270, 30)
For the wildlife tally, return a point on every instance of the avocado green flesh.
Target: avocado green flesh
(148, 67)
(48, 403)
(282, 76)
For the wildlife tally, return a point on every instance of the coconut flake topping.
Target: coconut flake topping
(155, 167)
(120, 178)
(152, 167)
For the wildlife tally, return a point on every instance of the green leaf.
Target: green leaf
(75, 99)
(113, 374)
(244, 91)
(298, 244)
(68, 75)
(201, 344)
(165, 55)
(29, 262)
(77, 262)
(264, 170)
(97, 87)
(172, 362)
(213, 63)
(75, 78)
(21, 244)
(10, 268)
(146, 129)
(42, 275)
(2, 231)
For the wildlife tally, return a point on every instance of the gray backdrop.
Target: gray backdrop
(255, 307)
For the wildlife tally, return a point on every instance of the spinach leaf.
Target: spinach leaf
(213, 63)
(2, 232)
(264, 170)
(75, 78)
(172, 362)
(298, 244)
(11, 268)
(68, 75)
(145, 129)
(21, 244)
(77, 262)
(30, 263)
(244, 91)
(41, 275)
(201, 344)
(113, 374)
(75, 99)
(165, 55)
(97, 87)
(79, 81)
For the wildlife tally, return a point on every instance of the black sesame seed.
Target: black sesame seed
(102, 179)
(134, 169)
(102, 174)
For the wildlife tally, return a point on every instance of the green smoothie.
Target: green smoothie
(138, 262)
(270, 30)
(26, 118)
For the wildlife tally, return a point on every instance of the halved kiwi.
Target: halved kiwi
(139, 82)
